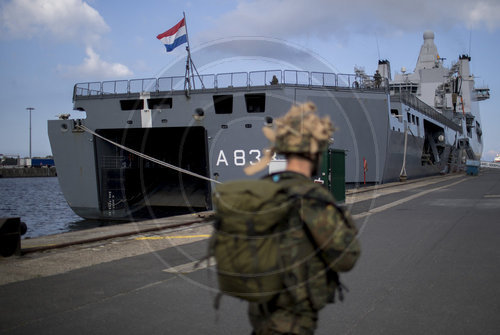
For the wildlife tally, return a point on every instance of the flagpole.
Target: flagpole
(189, 62)
(189, 50)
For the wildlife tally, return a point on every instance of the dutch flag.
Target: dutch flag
(174, 37)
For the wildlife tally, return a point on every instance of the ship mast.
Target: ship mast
(190, 67)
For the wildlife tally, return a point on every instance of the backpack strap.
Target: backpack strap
(306, 192)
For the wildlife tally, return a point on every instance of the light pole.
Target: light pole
(30, 109)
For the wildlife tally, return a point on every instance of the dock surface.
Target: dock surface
(429, 265)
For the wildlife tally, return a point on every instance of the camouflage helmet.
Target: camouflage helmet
(300, 131)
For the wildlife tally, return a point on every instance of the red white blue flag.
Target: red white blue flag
(174, 37)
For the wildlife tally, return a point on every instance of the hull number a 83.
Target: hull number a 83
(238, 157)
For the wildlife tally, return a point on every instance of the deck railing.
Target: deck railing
(229, 80)
(412, 101)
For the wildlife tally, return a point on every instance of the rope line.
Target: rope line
(152, 159)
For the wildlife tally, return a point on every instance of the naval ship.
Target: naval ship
(152, 147)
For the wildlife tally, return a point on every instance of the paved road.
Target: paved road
(430, 265)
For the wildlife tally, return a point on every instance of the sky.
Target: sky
(47, 46)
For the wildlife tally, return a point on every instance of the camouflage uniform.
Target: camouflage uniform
(307, 287)
(321, 240)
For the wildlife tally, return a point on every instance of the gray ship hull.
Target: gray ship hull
(101, 181)
(154, 147)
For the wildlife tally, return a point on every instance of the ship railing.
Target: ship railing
(115, 86)
(143, 85)
(87, 89)
(265, 78)
(324, 79)
(414, 102)
(348, 80)
(171, 84)
(230, 80)
(298, 78)
(166, 84)
(205, 81)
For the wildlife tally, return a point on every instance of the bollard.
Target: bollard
(11, 230)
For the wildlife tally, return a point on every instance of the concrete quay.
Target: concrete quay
(24, 172)
(93, 235)
(429, 265)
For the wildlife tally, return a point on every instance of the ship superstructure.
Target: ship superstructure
(418, 124)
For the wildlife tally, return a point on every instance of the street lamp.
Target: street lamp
(30, 109)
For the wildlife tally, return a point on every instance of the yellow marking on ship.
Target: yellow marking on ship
(170, 237)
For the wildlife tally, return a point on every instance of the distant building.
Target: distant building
(8, 160)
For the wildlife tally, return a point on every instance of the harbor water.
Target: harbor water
(39, 203)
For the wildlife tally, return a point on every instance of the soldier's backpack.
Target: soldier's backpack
(251, 219)
(246, 237)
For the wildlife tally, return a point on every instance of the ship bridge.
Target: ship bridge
(481, 93)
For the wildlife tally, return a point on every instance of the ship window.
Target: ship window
(418, 121)
(130, 105)
(395, 113)
(160, 103)
(413, 119)
(256, 103)
(409, 117)
(223, 104)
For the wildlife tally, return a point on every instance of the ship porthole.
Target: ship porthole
(64, 127)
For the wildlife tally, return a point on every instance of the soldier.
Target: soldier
(313, 255)
(274, 81)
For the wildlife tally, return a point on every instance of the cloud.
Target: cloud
(64, 20)
(324, 18)
(96, 68)
(483, 13)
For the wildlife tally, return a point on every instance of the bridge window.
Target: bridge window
(130, 105)
(160, 103)
(256, 103)
(223, 104)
